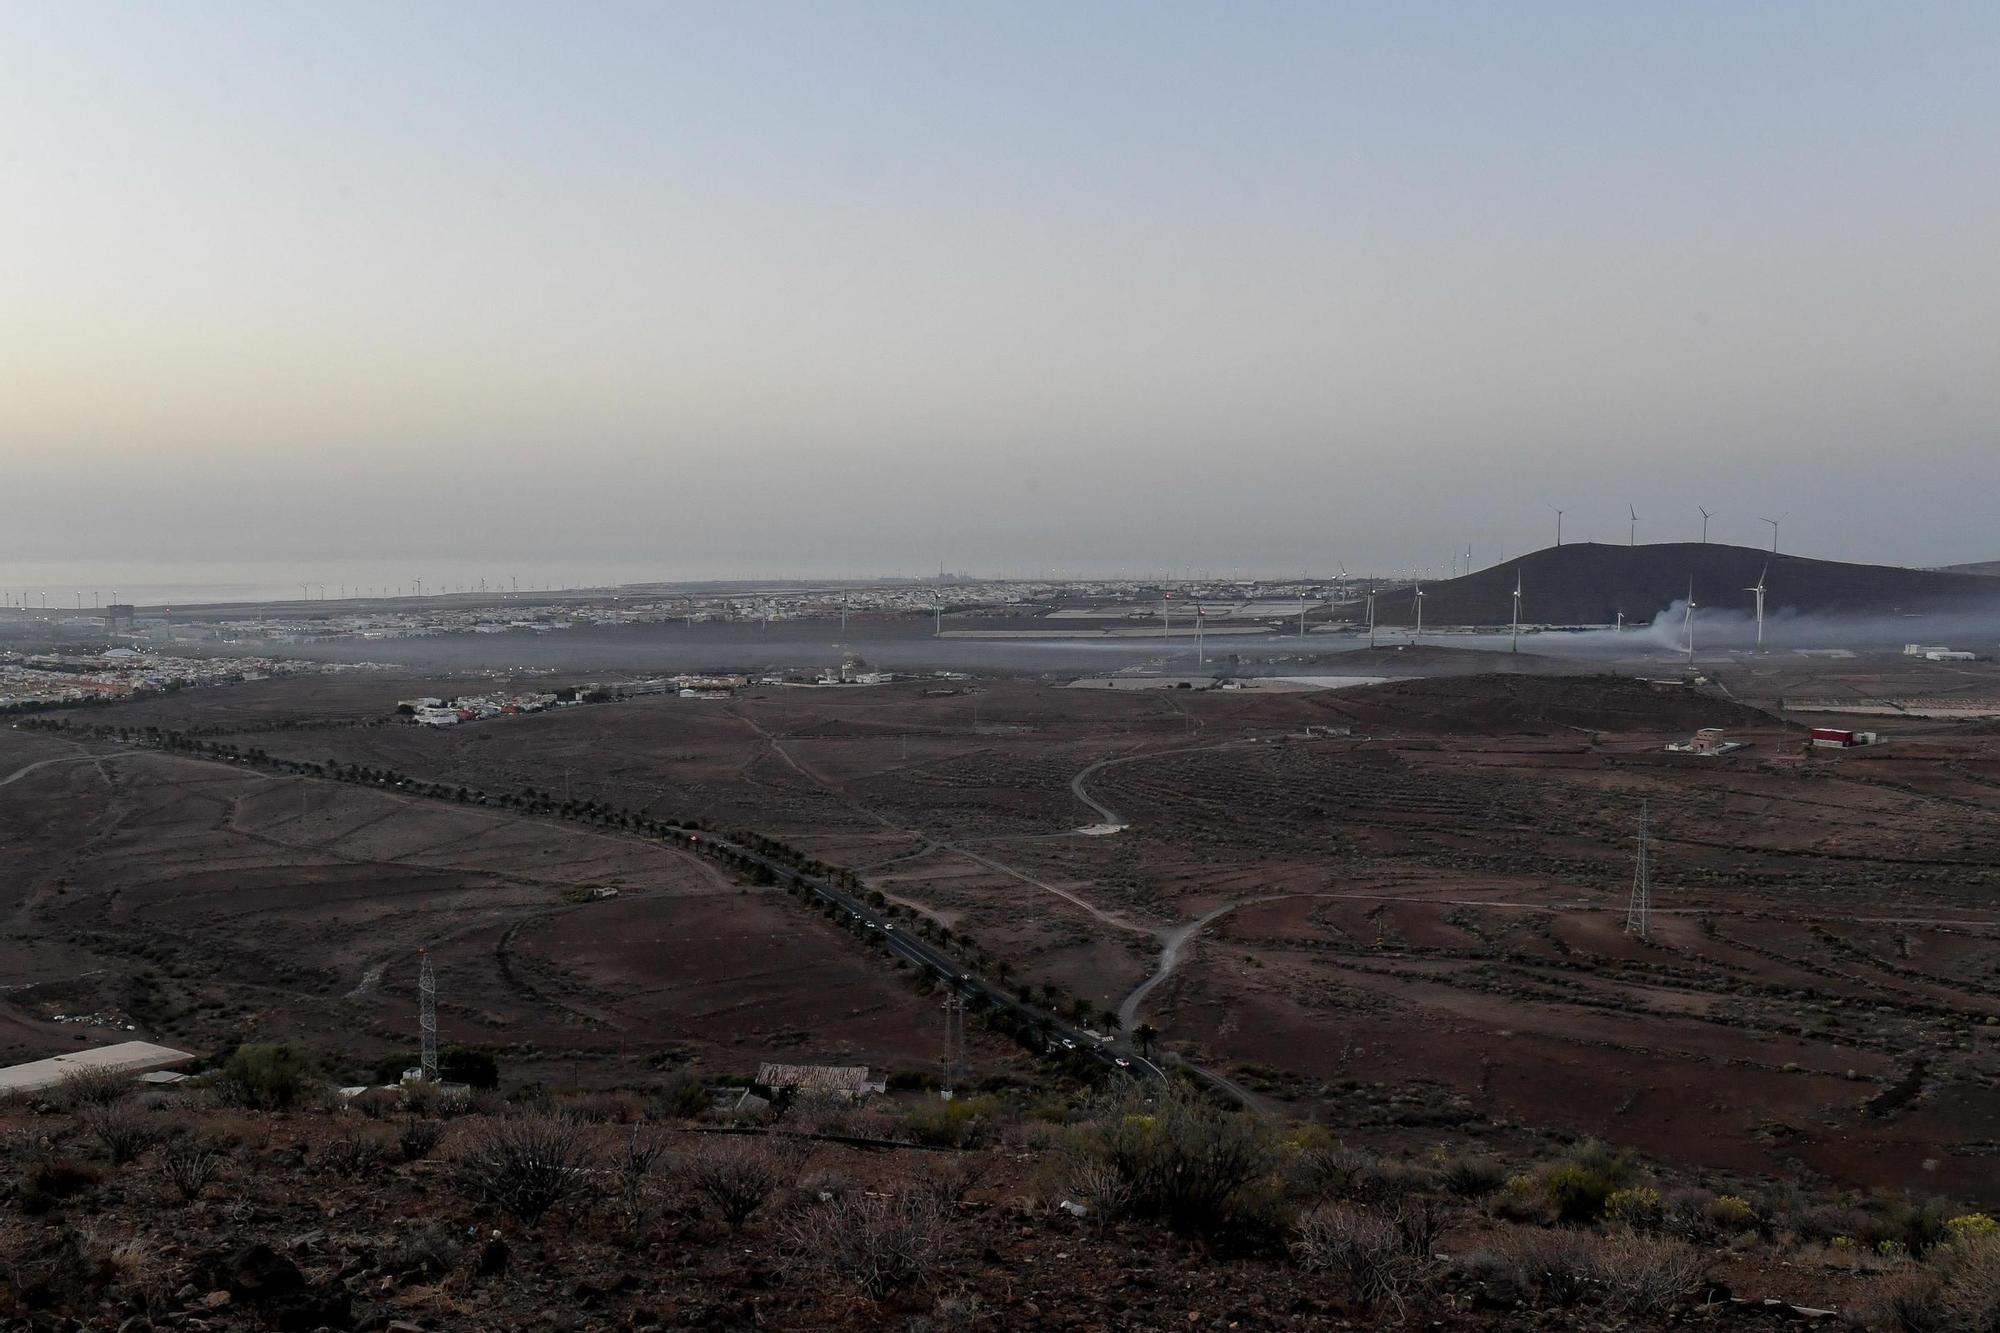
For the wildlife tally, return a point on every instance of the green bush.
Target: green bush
(1185, 1160)
(265, 1076)
(961, 1123)
(1577, 1193)
(1637, 1206)
(1472, 1177)
(462, 1064)
(1579, 1187)
(1730, 1213)
(682, 1097)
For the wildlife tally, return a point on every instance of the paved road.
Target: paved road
(952, 971)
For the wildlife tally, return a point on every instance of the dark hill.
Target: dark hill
(1985, 567)
(1587, 583)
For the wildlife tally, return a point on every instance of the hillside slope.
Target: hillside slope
(1588, 583)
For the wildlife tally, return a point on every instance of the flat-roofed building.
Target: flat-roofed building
(126, 1057)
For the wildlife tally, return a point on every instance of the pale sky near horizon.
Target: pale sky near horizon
(849, 289)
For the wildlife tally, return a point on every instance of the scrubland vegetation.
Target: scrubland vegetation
(255, 1197)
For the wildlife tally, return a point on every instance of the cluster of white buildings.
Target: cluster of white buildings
(434, 712)
(1938, 654)
(46, 679)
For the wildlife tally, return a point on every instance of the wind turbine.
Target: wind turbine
(1774, 529)
(1371, 617)
(1690, 622)
(1418, 602)
(1559, 524)
(1759, 591)
(1514, 644)
(1705, 516)
(1632, 532)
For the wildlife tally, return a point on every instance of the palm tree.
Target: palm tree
(1145, 1034)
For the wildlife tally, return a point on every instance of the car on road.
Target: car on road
(1121, 1062)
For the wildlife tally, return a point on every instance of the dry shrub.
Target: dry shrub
(1648, 1275)
(120, 1128)
(1365, 1252)
(609, 1108)
(954, 1312)
(91, 1087)
(880, 1243)
(57, 1269)
(1905, 1302)
(526, 1167)
(1562, 1264)
(1970, 1295)
(190, 1161)
(951, 1178)
(429, 1252)
(350, 1154)
(737, 1178)
(1494, 1281)
(634, 1168)
(817, 1111)
(419, 1139)
(1097, 1185)
(48, 1183)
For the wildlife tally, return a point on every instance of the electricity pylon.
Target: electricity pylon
(1639, 916)
(427, 1020)
(954, 1041)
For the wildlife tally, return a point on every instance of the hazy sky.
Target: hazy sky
(858, 287)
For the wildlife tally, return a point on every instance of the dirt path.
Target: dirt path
(1115, 920)
(1172, 944)
(26, 769)
(1111, 817)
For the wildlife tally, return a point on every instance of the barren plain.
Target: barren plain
(1401, 907)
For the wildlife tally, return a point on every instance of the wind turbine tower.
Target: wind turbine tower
(1418, 602)
(1559, 524)
(1705, 516)
(1639, 915)
(1774, 529)
(1514, 644)
(1632, 531)
(427, 1020)
(1371, 617)
(1758, 591)
(1690, 622)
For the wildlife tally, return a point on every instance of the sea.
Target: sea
(74, 584)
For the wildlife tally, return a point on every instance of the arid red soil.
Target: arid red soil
(1422, 920)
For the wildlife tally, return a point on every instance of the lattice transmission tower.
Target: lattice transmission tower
(1639, 916)
(954, 1041)
(427, 1019)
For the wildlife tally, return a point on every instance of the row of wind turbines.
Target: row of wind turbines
(1632, 528)
(1514, 629)
(1687, 617)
